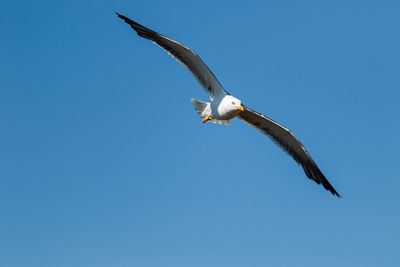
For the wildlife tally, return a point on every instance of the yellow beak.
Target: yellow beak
(240, 108)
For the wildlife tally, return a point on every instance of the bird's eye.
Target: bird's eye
(233, 103)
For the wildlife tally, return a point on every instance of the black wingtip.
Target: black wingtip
(121, 16)
(126, 19)
(314, 173)
(140, 29)
(333, 191)
(330, 188)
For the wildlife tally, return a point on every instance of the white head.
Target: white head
(230, 106)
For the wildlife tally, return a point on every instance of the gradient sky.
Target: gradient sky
(104, 161)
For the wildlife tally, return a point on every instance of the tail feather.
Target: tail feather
(202, 108)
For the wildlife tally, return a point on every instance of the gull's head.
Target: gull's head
(232, 104)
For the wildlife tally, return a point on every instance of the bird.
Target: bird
(224, 107)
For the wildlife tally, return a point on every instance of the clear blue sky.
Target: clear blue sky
(104, 161)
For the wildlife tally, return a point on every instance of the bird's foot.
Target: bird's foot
(207, 118)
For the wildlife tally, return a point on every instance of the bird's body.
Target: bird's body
(224, 107)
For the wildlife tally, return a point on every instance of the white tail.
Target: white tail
(202, 108)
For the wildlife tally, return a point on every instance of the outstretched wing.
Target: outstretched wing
(289, 143)
(184, 55)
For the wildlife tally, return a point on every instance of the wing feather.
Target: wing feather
(184, 55)
(289, 143)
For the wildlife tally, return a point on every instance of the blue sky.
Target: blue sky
(104, 161)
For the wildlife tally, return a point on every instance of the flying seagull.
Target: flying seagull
(224, 106)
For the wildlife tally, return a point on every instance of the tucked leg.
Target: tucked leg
(207, 118)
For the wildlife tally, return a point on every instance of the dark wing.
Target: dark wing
(289, 143)
(183, 54)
